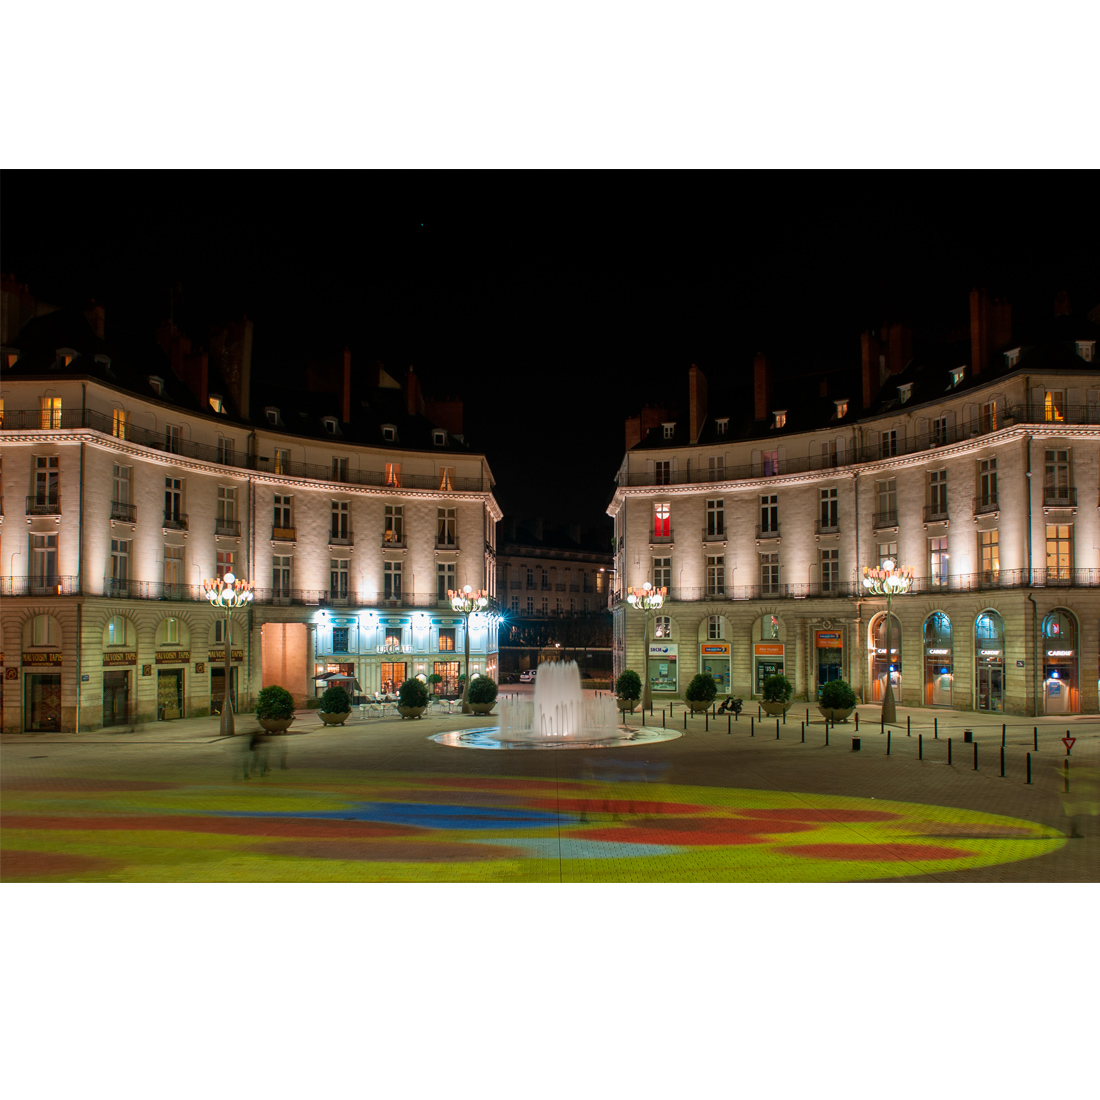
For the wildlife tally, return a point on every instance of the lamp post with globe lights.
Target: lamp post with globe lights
(466, 602)
(230, 593)
(889, 580)
(646, 599)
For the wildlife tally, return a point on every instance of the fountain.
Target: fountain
(559, 717)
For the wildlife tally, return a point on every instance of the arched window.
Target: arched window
(45, 631)
(116, 630)
(1059, 624)
(989, 626)
(937, 631)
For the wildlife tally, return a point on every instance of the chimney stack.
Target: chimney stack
(97, 317)
(870, 359)
(761, 386)
(990, 328)
(414, 403)
(697, 401)
(899, 347)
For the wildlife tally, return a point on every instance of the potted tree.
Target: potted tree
(482, 695)
(412, 698)
(837, 701)
(275, 708)
(628, 689)
(701, 692)
(335, 706)
(435, 679)
(776, 699)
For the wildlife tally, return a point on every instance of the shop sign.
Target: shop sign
(768, 649)
(1019, 664)
(42, 659)
(147, 670)
(119, 659)
(393, 649)
(11, 674)
(664, 649)
(989, 653)
(219, 655)
(200, 667)
(85, 678)
(446, 622)
(392, 622)
(934, 652)
(715, 649)
(173, 657)
(828, 639)
(1050, 653)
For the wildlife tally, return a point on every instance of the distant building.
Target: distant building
(352, 506)
(974, 462)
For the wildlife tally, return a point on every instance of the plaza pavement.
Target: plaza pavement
(376, 800)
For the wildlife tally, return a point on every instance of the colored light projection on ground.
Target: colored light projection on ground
(302, 826)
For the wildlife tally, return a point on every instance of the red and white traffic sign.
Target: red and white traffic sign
(1068, 742)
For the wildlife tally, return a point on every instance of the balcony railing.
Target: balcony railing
(283, 534)
(935, 513)
(32, 420)
(1059, 496)
(717, 535)
(393, 540)
(823, 528)
(175, 521)
(668, 536)
(44, 506)
(51, 585)
(446, 542)
(336, 539)
(884, 519)
(152, 590)
(985, 504)
(559, 587)
(228, 527)
(515, 586)
(769, 532)
(125, 512)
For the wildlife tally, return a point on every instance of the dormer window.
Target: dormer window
(721, 426)
(905, 391)
(1086, 349)
(389, 433)
(669, 430)
(841, 404)
(215, 400)
(330, 424)
(1012, 357)
(272, 414)
(66, 355)
(779, 418)
(104, 361)
(957, 375)
(156, 384)
(439, 437)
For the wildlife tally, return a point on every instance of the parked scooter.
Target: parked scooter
(731, 705)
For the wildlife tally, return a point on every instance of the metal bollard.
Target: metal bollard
(887, 742)
(1029, 767)
(920, 746)
(807, 714)
(759, 712)
(729, 724)
(1002, 761)
(706, 720)
(935, 729)
(908, 725)
(685, 718)
(803, 733)
(949, 750)
(752, 726)
(1068, 753)
(777, 729)
(1065, 773)
(975, 755)
(1035, 734)
(857, 721)
(826, 734)
(662, 717)
(1003, 727)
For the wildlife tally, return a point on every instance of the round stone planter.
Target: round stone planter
(410, 712)
(334, 719)
(276, 725)
(482, 708)
(836, 714)
(776, 710)
(627, 704)
(698, 706)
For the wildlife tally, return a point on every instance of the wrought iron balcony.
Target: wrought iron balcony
(831, 528)
(986, 504)
(1059, 496)
(769, 532)
(228, 527)
(44, 505)
(283, 534)
(175, 521)
(884, 519)
(715, 534)
(935, 513)
(49, 585)
(125, 512)
(393, 540)
(446, 542)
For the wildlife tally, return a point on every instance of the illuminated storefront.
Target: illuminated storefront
(939, 675)
(1059, 663)
(829, 651)
(989, 661)
(768, 660)
(880, 662)
(662, 666)
(714, 659)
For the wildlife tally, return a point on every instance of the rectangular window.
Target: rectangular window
(219, 631)
(172, 438)
(937, 493)
(828, 454)
(43, 559)
(987, 483)
(769, 513)
(447, 479)
(515, 605)
(530, 577)
(47, 480)
(282, 461)
(225, 563)
(339, 468)
(123, 477)
(446, 639)
(338, 578)
(394, 523)
(545, 605)
(557, 605)
(989, 416)
(393, 474)
(716, 518)
(662, 473)
(281, 516)
(769, 574)
(714, 628)
(341, 520)
(662, 572)
(939, 431)
(771, 463)
(446, 533)
(172, 631)
(829, 516)
(886, 513)
(1054, 405)
(119, 421)
(227, 505)
(937, 552)
(1059, 552)
(889, 443)
(226, 451)
(340, 639)
(1056, 486)
(989, 555)
(51, 412)
(391, 580)
(662, 627)
(445, 579)
(662, 522)
(716, 576)
(395, 636)
(830, 570)
(173, 499)
(716, 468)
(530, 605)
(173, 567)
(887, 551)
(544, 579)
(280, 575)
(120, 560)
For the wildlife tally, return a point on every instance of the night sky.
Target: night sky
(554, 305)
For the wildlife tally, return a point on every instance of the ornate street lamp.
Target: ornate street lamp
(888, 580)
(230, 593)
(466, 602)
(646, 599)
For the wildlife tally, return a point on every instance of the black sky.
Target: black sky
(554, 305)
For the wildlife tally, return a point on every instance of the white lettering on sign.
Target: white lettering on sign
(393, 649)
(1059, 652)
(938, 652)
(989, 652)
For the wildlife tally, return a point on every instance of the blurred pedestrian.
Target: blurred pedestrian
(261, 745)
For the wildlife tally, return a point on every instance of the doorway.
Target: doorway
(42, 703)
(217, 688)
(116, 698)
(169, 694)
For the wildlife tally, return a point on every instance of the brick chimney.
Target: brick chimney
(345, 389)
(231, 352)
(870, 352)
(697, 401)
(761, 387)
(990, 327)
(414, 402)
(899, 347)
(96, 317)
(638, 427)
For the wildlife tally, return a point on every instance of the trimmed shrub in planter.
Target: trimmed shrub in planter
(335, 706)
(628, 688)
(412, 698)
(274, 702)
(701, 692)
(838, 700)
(482, 695)
(777, 694)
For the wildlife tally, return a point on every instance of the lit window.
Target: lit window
(841, 407)
(662, 528)
(51, 412)
(171, 631)
(225, 563)
(1086, 349)
(118, 423)
(669, 430)
(905, 391)
(282, 461)
(393, 474)
(447, 478)
(779, 418)
(216, 402)
(662, 627)
(957, 375)
(1054, 405)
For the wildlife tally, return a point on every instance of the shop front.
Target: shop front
(42, 692)
(171, 683)
(829, 652)
(768, 659)
(1059, 663)
(714, 659)
(662, 666)
(449, 671)
(939, 668)
(117, 671)
(216, 662)
(885, 663)
(989, 661)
